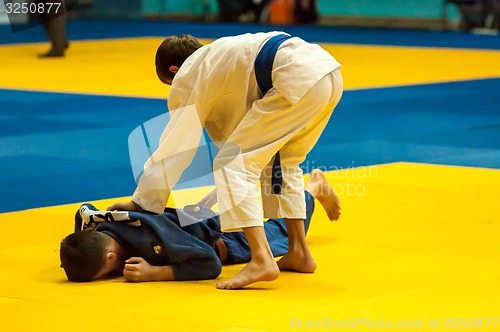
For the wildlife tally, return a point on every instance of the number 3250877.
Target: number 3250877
(32, 8)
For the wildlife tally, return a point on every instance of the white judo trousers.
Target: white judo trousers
(272, 124)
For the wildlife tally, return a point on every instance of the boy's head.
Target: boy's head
(87, 255)
(172, 53)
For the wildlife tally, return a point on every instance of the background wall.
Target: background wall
(360, 12)
(370, 8)
(382, 8)
(402, 13)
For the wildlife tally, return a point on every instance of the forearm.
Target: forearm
(174, 154)
(137, 269)
(162, 273)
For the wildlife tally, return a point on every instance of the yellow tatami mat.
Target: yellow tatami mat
(416, 247)
(125, 67)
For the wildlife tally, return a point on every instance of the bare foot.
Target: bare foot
(297, 261)
(251, 273)
(319, 187)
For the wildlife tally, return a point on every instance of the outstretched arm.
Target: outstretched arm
(175, 152)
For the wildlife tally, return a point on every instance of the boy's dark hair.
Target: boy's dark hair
(173, 51)
(83, 254)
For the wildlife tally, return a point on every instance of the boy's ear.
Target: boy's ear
(110, 256)
(173, 69)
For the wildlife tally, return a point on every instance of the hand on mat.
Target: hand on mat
(209, 200)
(137, 270)
(125, 206)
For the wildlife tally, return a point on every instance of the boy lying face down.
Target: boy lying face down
(180, 244)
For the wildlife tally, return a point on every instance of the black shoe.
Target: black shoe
(52, 54)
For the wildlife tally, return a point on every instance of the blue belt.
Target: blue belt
(263, 73)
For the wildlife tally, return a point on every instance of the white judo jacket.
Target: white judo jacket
(214, 89)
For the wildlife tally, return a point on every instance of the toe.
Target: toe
(224, 285)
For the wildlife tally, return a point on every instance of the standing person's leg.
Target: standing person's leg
(277, 233)
(54, 24)
(292, 154)
(268, 126)
(238, 250)
(236, 172)
(298, 258)
(317, 187)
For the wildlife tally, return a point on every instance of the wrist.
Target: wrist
(163, 273)
(157, 273)
(136, 207)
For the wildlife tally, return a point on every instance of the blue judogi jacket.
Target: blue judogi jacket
(161, 240)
